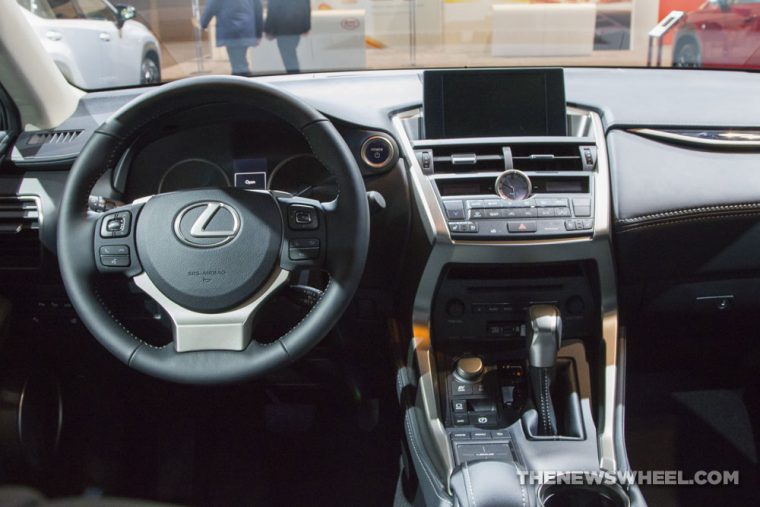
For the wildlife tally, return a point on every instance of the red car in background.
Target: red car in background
(721, 33)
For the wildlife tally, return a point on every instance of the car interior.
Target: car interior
(410, 287)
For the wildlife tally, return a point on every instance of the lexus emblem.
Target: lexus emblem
(207, 224)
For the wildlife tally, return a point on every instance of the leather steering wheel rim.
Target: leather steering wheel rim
(348, 238)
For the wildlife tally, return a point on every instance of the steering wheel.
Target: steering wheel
(212, 257)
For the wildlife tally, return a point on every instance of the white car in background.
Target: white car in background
(94, 43)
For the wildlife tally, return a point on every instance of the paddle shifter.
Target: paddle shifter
(544, 339)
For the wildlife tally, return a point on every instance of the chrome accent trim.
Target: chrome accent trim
(497, 184)
(697, 141)
(445, 250)
(387, 161)
(230, 330)
(198, 229)
(142, 200)
(28, 197)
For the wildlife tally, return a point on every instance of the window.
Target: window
(63, 9)
(39, 7)
(96, 9)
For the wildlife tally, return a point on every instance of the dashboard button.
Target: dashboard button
(454, 210)
(551, 226)
(460, 389)
(485, 418)
(378, 151)
(545, 212)
(522, 227)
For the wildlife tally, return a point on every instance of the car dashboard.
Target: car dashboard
(645, 206)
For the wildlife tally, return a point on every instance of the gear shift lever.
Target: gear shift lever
(544, 339)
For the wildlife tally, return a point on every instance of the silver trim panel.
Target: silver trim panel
(445, 250)
(751, 140)
(231, 330)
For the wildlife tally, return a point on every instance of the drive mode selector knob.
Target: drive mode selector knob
(513, 185)
(469, 369)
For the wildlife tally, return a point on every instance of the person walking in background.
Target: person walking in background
(239, 25)
(287, 21)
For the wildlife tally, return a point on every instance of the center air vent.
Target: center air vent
(53, 137)
(19, 232)
(528, 157)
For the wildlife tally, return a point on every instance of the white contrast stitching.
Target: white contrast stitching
(468, 484)
(687, 211)
(410, 432)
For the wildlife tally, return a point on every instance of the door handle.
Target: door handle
(105, 37)
(53, 35)
(749, 20)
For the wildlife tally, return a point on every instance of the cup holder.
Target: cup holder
(571, 495)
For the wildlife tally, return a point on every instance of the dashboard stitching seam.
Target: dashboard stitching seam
(686, 211)
(468, 484)
(400, 381)
(687, 220)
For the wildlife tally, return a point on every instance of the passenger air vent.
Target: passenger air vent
(19, 232)
(528, 157)
(53, 137)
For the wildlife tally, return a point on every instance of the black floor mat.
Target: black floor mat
(673, 424)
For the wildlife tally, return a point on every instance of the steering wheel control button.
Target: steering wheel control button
(304, 243)
(114, 250)
(303, 254)
(115, 261)
(302, 217)
(378, 152)
(116, 225)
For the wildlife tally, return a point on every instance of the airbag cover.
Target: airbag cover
(209, 250)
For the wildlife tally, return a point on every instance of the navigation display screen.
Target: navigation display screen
(494, 103)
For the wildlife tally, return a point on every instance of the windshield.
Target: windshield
(98, 45)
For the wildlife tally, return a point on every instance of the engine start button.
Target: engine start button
(377, 152)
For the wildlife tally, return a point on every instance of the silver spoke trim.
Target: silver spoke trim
(231, 330)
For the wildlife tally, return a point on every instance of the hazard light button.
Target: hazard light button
(529, 226)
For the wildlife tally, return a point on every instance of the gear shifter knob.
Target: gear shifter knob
(544, 335)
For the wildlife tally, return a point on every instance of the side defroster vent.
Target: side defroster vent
(19, 232)
(53, 137)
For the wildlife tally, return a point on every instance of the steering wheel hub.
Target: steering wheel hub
(209, 250)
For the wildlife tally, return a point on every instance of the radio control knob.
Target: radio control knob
(469, 369)
(455, 308)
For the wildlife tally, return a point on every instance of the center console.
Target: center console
(515, 315)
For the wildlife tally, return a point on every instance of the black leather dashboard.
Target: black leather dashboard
(665, 197)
